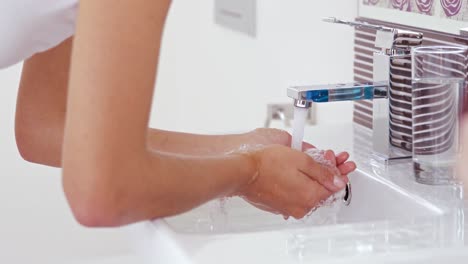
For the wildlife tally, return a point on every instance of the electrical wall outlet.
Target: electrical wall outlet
(238, 15)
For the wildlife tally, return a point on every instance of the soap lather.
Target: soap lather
(344, 195)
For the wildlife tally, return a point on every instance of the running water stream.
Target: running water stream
(300, 116)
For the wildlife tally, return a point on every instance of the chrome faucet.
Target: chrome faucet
(464, 32)
(392, 139)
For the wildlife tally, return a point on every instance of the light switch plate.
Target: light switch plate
(239, 15)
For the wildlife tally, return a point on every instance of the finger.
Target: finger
(342, 157)
(321, 174)
(347, 167)
(316, 196)
(308, 196)
(344, 178)
(330, 155)
(306, 146)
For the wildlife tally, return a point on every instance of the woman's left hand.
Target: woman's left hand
(341, 162)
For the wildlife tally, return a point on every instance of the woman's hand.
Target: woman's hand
(291, 183)
(340, 161)
(273, 136)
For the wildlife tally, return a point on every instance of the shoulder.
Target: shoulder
(31, 26)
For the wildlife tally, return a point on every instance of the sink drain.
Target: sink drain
(348, 195)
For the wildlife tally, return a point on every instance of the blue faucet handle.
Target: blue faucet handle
(340, 92)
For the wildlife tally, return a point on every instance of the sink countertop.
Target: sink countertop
(425, 239)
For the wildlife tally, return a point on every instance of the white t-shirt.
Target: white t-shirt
(31, 26)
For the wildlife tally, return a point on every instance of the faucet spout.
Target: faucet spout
(391, 70)
(302, 104)
(338, 92)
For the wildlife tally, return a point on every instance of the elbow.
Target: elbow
(24, 145)
(101, 187)
(92, 215)
(93, 204)
(34, 147)
(95, 213)
(25, 151)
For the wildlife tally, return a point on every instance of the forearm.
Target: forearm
(41, 105)
(187, 182)
(42, 143)
(152, 185)
(193, 144)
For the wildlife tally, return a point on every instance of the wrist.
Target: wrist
(249, 174)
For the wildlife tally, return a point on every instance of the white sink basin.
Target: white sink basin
(391, 219)
(384, 223)
(373, 199)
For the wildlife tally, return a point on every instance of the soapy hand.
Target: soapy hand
(273, 136)
(291, 183)
(340, 161)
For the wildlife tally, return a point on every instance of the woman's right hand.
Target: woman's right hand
(289, 182)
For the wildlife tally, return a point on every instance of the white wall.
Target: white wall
(36, 225)
(213, 79)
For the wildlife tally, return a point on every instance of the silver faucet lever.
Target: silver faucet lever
(464, 32)
(392, 41)
(357, 24)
